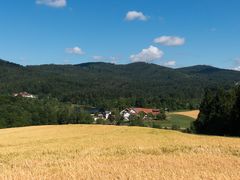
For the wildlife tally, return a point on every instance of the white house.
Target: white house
(25, 95)
(126, 113)
(102, 115)
(107, 114)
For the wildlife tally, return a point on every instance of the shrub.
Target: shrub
(100, 121)
(175, 127)
(156, 125)
(161, 116)
(136, 121)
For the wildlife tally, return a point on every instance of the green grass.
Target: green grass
(179, 121)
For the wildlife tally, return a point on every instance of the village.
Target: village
(104, 115)
(143, 113)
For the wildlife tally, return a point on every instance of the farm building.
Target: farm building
(126, 113)
(25, 95)
(98, 113)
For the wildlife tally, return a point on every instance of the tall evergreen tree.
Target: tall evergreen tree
(235, 115)
(219, 113)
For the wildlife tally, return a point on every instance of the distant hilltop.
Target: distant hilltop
(109, 85)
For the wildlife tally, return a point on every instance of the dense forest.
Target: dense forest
(116, 86)
(18, 112)
(219, 113)
(63, 90)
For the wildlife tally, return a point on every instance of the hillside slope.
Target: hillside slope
(109, 152)
(109, 85)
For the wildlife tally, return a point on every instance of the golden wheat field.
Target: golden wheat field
(192, 114)
(110, 152)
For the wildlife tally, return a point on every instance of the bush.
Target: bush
(100, 121)
(161, 115)
(175, 127)
(188, 130)
(85, 118)
(156, 125)
(136, 121)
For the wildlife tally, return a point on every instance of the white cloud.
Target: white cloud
(170, 63)
(112, 58)
(237, 64)
(147, 55)
(237, 68)
(53, 3)
(75, 50)
(135, 15)
(113, 62)
(170, 40)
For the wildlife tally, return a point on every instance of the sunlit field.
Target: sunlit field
(181, 120)
(193, 114)
(111, 152)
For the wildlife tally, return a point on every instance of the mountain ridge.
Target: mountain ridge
(109, 85)
(200, 66)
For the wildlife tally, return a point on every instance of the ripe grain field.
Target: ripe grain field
(110, 152)
(193, 114)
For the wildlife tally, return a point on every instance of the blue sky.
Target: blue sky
(168, 32)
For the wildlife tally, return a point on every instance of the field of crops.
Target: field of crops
(111, 152)
(193, 114)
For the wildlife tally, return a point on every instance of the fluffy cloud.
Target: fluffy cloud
(237, 68)
(75, 50)
(147, 55)
(134, 15)
(170, 63)
(237, 64)
(53, 3)
(170, 40)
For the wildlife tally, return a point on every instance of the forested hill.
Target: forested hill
(109, 85)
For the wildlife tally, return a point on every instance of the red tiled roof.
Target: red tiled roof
(147, 111)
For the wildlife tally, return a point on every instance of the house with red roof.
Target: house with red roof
(126, 113)
(25, 95)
